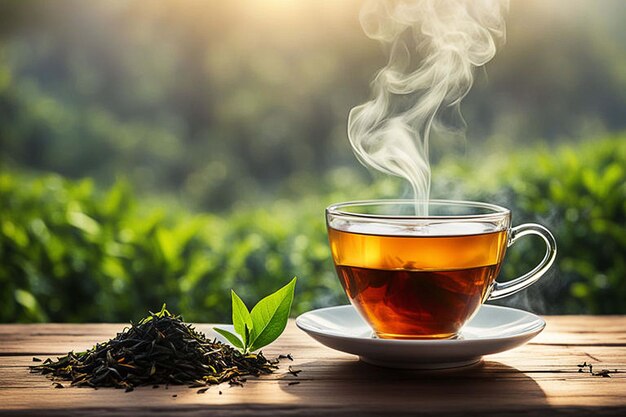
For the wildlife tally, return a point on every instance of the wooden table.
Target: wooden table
(540, 378)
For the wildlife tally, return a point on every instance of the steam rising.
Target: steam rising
(434, 46)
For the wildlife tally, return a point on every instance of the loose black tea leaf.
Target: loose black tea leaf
(202, 390)
(294, 372)
(235, 381)
(36, 359)
(160, 349)
(294, 383)
(287, 356)
(605, 373)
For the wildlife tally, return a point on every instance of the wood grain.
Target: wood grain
(536, 379)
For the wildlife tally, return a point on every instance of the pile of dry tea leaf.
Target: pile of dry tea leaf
(160, 349)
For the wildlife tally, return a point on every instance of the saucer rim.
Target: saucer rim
(535, 330)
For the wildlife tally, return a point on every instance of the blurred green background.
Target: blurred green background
(168, 151)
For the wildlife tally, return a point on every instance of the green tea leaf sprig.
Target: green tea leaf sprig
(262, 325)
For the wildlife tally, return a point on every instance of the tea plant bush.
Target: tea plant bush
(71, 252)
(579, 193)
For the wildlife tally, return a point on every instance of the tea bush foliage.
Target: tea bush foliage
(579, 193)
(73, 253)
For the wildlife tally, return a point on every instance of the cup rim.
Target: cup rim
(497, 211)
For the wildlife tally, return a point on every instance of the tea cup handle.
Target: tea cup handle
(504, 289)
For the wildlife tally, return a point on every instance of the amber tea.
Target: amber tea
(417, 286)
(424, 277)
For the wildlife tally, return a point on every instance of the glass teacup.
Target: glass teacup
(424, 277)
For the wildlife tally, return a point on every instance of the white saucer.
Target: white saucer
(493, 329)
